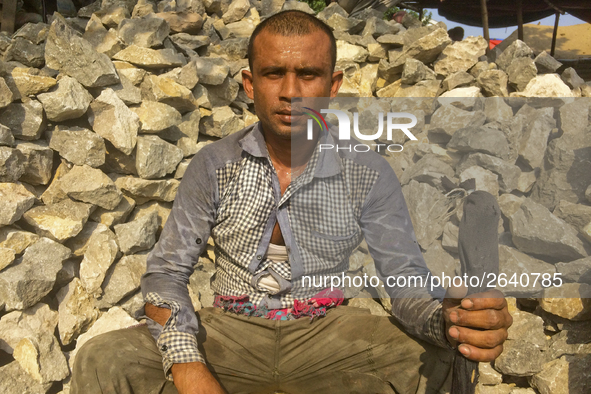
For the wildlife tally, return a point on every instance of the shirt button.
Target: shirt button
(164, 348)
(259, 257)
(198, 241)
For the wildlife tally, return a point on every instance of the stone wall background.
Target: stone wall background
(102, 111)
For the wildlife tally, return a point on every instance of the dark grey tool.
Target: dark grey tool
(479, 255)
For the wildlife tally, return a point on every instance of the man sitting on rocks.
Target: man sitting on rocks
(277, 214)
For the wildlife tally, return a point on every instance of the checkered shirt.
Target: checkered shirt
(230, 192)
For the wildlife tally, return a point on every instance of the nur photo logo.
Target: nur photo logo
(344, 126)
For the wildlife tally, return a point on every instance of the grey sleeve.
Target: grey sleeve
(392, 243)
(171, 263)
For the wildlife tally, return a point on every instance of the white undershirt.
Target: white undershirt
(274, 253)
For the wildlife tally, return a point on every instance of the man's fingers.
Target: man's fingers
(493, 299)
(488, 339)
(488, 319)
(453, 296)
(480, 355)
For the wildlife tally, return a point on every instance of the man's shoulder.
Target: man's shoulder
(217, 154)
(223, 151)
(228, 146)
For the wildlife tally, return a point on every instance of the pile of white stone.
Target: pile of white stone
(101, 112)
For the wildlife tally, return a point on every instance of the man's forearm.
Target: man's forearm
(193, 377)
(159, 315)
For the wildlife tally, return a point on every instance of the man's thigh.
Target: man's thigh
(240, 351)
(347, 351)
(120, 362)
(351, 351)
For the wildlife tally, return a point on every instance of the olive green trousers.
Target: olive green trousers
(347, 351)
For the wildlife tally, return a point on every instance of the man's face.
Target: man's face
(284, 68)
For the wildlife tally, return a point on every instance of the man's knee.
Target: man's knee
(110, 356)
(111, 359)
(96, 354)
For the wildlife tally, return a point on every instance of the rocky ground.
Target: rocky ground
(102, 112)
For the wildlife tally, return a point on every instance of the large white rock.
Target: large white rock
(72, 55)
(155, 116)
(221, 123)
(146, 190)
(427, 206)
(17, 325)
(351, 53)
(546, 85)
(59, 221)
(460, 55)
(110, 217)
(76, 311)
(166, 90)
(448, 118)
(123, 278)
(101, 252)
(15, 199)
(16, 239)
(38, 162)
(155, 157)
(145, 32)
(485, 180)
(68, 101)
(40, 355)
(29, 82)
(16, 381)
(137, 235)
(470, 91)
(25, 120)
(150, 58)
(236, 11)
(26, 282)
(111, 119)
(91, 185)
(537, 231)
(78, 145)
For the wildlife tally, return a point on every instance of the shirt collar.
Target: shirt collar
(254, 142)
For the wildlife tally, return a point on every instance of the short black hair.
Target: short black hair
(292, 23)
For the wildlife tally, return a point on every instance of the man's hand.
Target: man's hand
(195, 378)
(477, 323)
(189, 378)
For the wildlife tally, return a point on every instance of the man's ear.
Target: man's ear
(335, 83)
(247, 84)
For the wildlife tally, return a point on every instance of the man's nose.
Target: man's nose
(290, 86)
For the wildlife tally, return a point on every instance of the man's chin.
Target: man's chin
(289, 132)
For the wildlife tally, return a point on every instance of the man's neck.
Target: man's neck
(289, 155)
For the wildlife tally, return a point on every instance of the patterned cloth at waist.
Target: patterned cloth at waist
(315, 306)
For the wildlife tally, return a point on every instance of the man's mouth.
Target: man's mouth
(288, 116)
(289, 113)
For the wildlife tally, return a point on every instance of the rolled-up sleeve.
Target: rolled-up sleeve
(171, 263)
(392, 243)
